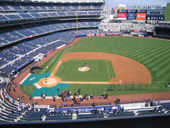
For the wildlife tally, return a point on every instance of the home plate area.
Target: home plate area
(49, 82)
(45, 84)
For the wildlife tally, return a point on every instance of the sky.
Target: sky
(112, 3)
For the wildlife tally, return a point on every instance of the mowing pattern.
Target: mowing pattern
(153, 53)
(100, 70)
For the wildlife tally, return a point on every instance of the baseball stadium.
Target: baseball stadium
(70, 61)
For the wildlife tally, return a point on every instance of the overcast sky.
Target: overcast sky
(112, 3)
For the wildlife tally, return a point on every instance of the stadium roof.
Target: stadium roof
(64, 1)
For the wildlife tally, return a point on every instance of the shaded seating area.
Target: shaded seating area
(22, 54)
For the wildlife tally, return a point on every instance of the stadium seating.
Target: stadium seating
(20, 34)
(39, 15)
(27, 33)
(14, 58)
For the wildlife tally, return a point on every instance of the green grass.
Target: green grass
(100, 70)
(153, 53)
(28, 89)
(98, 90)
(50, 64)
(167, 12)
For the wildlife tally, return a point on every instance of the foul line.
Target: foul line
(56, 68)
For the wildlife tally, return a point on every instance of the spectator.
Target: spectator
(54, 98)
(85, 96)
(78, 91)
(43, 95)
(91, 96)
(70, 93)
(106, 96)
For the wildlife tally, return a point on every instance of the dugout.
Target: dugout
(33, 69)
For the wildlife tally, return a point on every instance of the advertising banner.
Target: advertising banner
(122, 15)
(131, 16)
(155, 17)
(140, 16)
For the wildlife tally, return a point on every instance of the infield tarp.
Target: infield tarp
(34, 78)
(53, 91)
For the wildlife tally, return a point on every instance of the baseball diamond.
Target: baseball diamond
(122, 64)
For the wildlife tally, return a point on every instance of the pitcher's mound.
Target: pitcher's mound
(84, 69)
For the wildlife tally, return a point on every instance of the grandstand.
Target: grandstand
(31, 30)
(27, 22)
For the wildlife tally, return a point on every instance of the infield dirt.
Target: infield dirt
(128, 71)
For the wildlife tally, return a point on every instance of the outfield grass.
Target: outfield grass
(100, 70)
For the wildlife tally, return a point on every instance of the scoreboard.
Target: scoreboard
(141, 14)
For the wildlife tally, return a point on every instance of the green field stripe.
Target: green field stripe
(160, 65)
(157, 61)
(153, 57)
(110, 71)
(149, 54)
(145, 54)
(164, 68)
(160, 72)
(167, 76)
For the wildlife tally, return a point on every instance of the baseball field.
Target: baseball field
(116, 65)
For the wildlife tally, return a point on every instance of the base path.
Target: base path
(127, 71)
